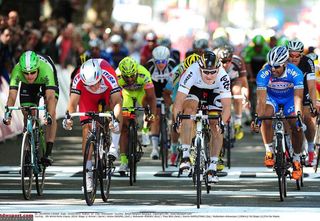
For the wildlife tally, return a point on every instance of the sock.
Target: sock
(296, 157)
(186, 150)
(89, 165)
(123, 158)
(237, 119)
(155, 142)
(115, 137)
(213, 159)
(268, 147)
(310, 147)
(49, 148)
(174, 147)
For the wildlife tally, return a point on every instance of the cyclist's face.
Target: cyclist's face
(209, 75)
(131, 79)
(31, 77)
(295, 57)
(95, 87)
(161, 64)
(277, 71)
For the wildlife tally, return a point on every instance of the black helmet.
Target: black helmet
(208, 60)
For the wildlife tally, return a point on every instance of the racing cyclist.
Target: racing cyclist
(204, 80)
(36, 73)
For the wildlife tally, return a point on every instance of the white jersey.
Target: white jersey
(192, 77)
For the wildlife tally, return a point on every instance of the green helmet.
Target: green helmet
(29, 61)
(258, 40)
(128, 67)
(283, 41)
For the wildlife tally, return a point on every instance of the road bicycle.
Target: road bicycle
(96, 149)
(283, 149)
(200, 148)
(164, 134)
(33, 150)
(134, 146)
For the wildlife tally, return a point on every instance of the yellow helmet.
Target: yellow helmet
(190, 60)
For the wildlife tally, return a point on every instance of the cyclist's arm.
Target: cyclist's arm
(116, 103)
(51, 104)
(73, 102)
(12, 97)
(298, 96)
(152, 100)
(261, 101)
(178, 104)
(312, 90)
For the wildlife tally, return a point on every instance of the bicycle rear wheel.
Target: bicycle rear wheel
(132, 153)
(26, 166)
(90, 174)
(198, 172)
(40, 178)
(163, 143)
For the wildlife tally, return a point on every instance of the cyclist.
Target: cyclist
(146, 50)
(255, 56)
(204, 80)
(306, 65)
(96, 81)
(198, 47)
(36, 73)
(136, 84)
(280, 82)
(159, 67)
(236, 70)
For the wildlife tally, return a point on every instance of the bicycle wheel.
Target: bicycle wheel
(163, 143)
(131, 154)
(281, 169)
(91, 174)
(229, 128)
(26, 166)
(40, 178)
(105, 170)
(198, 172)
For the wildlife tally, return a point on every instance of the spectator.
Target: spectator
(5, 53)
(117, 50)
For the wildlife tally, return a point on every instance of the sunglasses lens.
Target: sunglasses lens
(161, 61)
(211, 72)
(29, 73)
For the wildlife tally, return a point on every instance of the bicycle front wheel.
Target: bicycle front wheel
(40, 178)
(26, 166)
(281, 169)
(198, 172)
(105, 167)
(90, 172)
(132, 151)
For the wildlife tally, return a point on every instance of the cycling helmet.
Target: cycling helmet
(128, 67)
(90, 72)
(116, 39)
(190, 60)
(295, 45)
(282, 41)
(200, 44)
(219, 42)
(208, 60)
(225, 52)
(278, 56)
(258, 40)
(29, 61)
(166, 42)
(151, 36)
(161, 53)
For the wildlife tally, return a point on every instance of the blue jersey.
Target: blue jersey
(280, 88)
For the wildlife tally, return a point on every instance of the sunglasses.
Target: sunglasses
(223, 61)
(164, 61)
(129, 76)
(30, 73)
(93, 84)
(294, 56)
(276, 66)
(209, 72)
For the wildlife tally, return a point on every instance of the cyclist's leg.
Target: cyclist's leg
(190, 106)
(236, 90)
(310, 132)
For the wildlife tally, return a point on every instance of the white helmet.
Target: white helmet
(116, 39)
(295, 45)
(90, 72)
(161, 53)
(278, 56)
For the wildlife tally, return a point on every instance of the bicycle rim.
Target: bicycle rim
(26, 167)
(40, 178)
(131, 155)
(281, 169)
(198, 174)
(90, 155)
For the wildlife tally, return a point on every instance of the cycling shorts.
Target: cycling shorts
(29, 94)
(129, 96)
(288, 105)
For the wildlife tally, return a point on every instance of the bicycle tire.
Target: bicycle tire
(207, 159)
(26, 166)
(40, 178)
(198, 173)
(90, 145)
(163, 144)
(105, 169)
(229, 145)
(132, 153)
(281, 168)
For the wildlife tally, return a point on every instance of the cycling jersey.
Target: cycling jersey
(137, 90)
(89, 99)
(236, 69)
(191, 83)
(46, 79)
(280, 90)
(307, 67)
